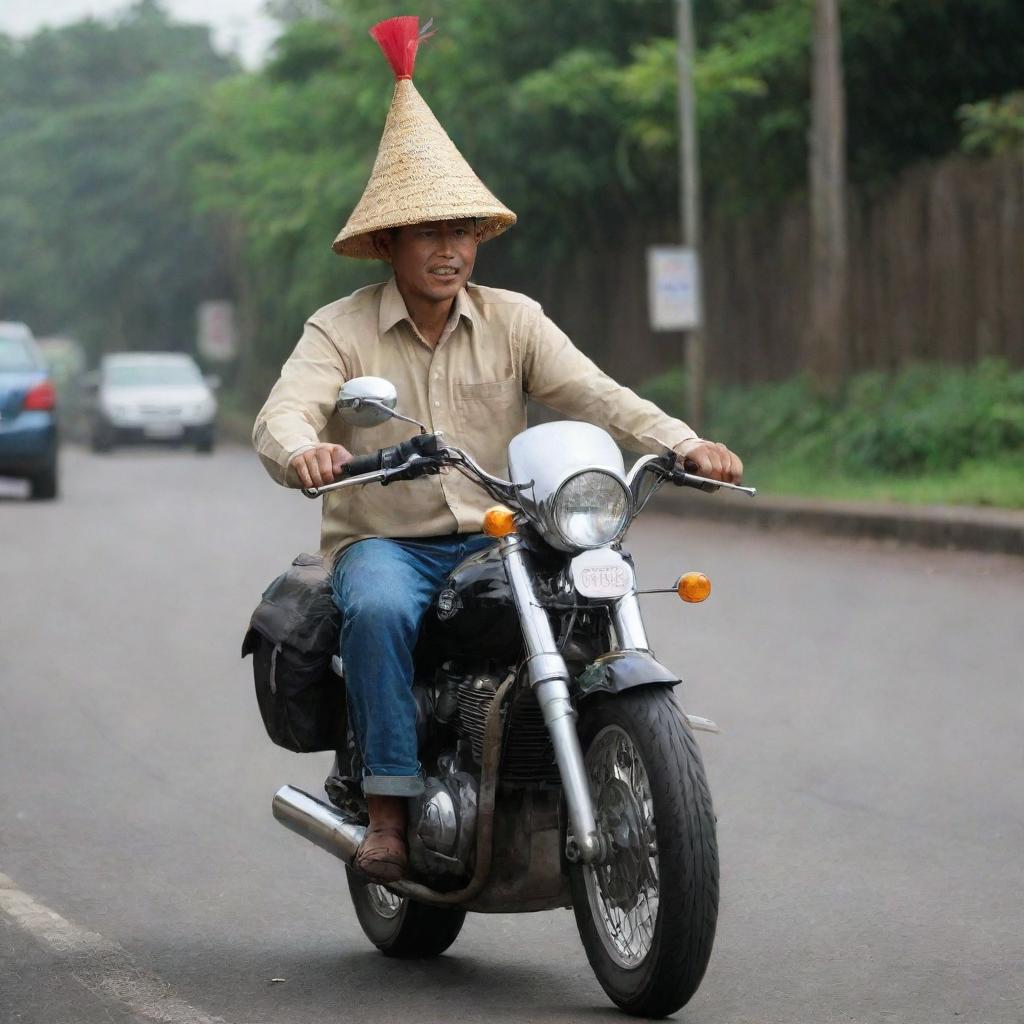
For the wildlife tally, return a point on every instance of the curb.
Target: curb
(999, 531)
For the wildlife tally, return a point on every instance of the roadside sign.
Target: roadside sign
(672, 288)
(218, 339)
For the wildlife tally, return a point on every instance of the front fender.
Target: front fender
(619, 671)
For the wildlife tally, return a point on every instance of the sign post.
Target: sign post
(689, 201)
(673, 288)
(218, 338)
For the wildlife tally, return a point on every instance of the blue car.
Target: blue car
(28, 413)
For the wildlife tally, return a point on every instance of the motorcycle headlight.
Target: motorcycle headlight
(591, 509)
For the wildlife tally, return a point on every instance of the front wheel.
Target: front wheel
(102, 439)
(400, 927)
(647, 916)
(205, 442)
(43, 486)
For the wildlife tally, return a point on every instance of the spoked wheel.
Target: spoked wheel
(647, 915)
(400, 927)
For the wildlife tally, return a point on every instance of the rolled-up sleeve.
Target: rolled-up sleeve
(300, 403)
(558, 374)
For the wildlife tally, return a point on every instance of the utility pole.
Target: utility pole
(827, 357)
(689, 207)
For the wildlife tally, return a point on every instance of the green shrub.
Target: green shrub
(923, 419)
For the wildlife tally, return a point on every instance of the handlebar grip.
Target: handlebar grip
(394, 455)
(360, 464)
(675, 466)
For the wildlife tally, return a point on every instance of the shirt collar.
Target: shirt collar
(393, 310)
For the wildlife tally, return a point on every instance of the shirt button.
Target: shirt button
(437, 405)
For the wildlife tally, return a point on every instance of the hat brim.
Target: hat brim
(361, 246)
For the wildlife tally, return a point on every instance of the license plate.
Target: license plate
(163, 430)
(601, 574)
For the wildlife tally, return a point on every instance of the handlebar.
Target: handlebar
(361, 464)
(671, 466)
(419, 456)
(425, 455)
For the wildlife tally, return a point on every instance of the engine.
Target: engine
(443, 836)
(442, 842)
(527, 757)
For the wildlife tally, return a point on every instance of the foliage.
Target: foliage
(993, 126)
(911, 64)
(138, 174)
(922, 420)
(100, 238)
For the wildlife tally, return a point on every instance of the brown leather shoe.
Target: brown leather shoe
(382, 854)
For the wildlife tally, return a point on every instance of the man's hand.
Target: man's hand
(711, 459)
(320, 465)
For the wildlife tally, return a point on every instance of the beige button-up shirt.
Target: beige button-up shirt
(497, 349)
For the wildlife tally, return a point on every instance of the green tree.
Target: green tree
(96, 210)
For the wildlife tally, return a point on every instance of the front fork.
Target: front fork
(549, 678)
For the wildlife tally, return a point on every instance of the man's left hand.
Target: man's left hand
(711, 459)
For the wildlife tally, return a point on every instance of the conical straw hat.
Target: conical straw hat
(418, 175)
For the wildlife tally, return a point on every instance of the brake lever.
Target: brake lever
(348, 481)
(683, 479)
(667, 465)
(386, 476)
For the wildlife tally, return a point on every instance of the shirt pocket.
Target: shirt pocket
(500, 391)
(493, 409)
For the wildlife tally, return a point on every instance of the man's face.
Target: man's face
(431, 260)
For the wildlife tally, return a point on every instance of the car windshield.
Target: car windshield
(152, 374)
(15, 355)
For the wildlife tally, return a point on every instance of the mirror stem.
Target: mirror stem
(391, 413)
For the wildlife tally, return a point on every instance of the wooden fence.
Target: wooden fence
(936, 273)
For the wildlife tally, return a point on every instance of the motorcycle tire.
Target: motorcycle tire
(649, 968)
(400, 927)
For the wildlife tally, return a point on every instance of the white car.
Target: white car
(152, 396)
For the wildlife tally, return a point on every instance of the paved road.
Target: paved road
(868, 780)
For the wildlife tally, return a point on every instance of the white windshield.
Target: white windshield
(152, 374)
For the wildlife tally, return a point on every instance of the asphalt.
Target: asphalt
(868, 779)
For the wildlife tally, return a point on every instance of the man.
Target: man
(463, 359)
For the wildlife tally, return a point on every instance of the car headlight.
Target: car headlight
(591, 509)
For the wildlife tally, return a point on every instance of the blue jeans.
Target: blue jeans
(382, 588)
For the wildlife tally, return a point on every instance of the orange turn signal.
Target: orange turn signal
(499, 521)
(694, 587)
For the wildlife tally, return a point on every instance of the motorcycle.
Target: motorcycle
(561, 770)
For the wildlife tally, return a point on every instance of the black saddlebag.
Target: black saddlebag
(292, 637)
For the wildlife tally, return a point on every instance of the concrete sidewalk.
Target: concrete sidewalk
(934, 526)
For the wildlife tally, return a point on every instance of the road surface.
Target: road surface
(868, 778)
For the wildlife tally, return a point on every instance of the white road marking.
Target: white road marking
(101, 966)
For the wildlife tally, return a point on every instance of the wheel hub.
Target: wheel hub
(623, 890)
(620, 821)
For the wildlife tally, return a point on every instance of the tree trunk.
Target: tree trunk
(827, 335)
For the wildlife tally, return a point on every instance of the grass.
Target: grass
(926, 434)
(988, 482)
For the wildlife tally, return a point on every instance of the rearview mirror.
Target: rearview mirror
(367, 401)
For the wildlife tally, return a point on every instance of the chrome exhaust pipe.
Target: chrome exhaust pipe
(323, 825)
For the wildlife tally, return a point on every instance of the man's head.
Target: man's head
(432, 260)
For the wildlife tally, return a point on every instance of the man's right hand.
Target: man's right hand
(320, 465)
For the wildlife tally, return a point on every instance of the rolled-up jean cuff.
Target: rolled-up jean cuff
(392, 785)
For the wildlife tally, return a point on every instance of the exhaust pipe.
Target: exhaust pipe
(323, 825)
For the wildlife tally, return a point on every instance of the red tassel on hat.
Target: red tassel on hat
(399, 38)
